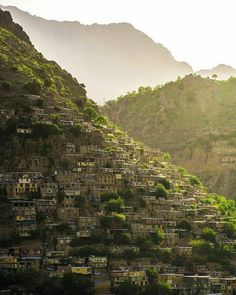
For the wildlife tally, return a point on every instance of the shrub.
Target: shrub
(115, 205)
(115, 221)
(230, 230)
(33, 87)
(160, 192)
(40, 103)
(194, 180)
(105, 197)
(209, 234)
(184, 224)
(158, 236)
(90, 113)
(101, 120)
(76, 130)
(165, 182)
(144, 244)
(202, 247)
(166, 157)
(182, 171)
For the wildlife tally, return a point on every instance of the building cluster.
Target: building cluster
(57, 215)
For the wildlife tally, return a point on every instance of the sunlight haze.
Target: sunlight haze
(198, 32)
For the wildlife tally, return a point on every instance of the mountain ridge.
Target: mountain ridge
(188, 118)
(220, 72)
(128, 57)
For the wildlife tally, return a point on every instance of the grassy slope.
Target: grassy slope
(21, 63)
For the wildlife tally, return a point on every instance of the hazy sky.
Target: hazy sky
(200, 32)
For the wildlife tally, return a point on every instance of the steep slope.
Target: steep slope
(40, 98)
(79, 199)
(110, 59)
(222, 72)
(193, 119)
(26, 70)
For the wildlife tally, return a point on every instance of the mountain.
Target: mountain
(222, 72)
(79, 199)
(110, 59)
(193, 119)
(7, 23)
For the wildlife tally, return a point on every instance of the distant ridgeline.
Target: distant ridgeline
(193, 119)
(126, 56)
(84, 208)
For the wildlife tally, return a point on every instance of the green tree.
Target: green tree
(33, 87)
(165, 182)
(230, 230)
(115, 205)
(194, 180)
(209, 234)
(165, 255)
(166, 157)
(152, 275)
(184, 224)
(101, 120)
(47, 83)
(76, 130)
(40, 102)
(182, 171)
(128, 194)
(90, 113)
(144, 244)
(117, 221)
(105, 197)
(55, 118)
(160, 192)
(158, 236)
(202, 247)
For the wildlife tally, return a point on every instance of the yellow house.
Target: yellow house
(83, 270)
(8, 262)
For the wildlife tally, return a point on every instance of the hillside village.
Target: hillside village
(78, 197)
(110, 211)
